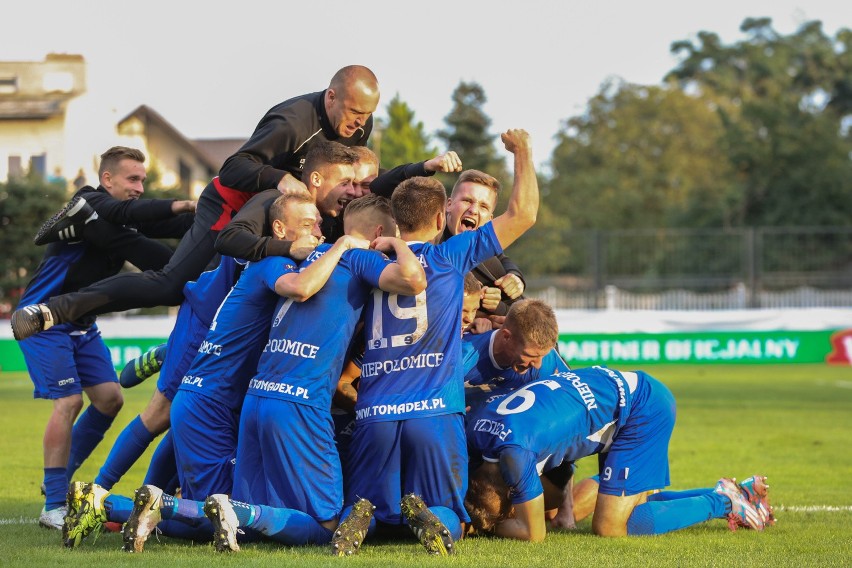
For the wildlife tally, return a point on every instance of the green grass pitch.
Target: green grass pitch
(792, 423)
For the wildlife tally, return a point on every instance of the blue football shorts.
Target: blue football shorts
(638, 459)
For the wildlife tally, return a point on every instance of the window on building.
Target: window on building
(15, 168)
(58, 82)
(8, 85)
(38, 165)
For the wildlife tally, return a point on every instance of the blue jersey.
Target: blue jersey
(480, 368)
(227, 358)
(206, 292)
(308, 342)
(566, 415)
(412, 363)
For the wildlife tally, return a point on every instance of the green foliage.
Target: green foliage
(403, 140)
(25, 203)
(751, 134)
(641, 157)
(467, 134)
(789, 422)
(787, 101)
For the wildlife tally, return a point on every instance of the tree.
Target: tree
(786, 118)
(641, 157)
(25, 203)
(468, 135)
(402, 140)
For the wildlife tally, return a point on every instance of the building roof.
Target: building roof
(147, 115)
(219, 149)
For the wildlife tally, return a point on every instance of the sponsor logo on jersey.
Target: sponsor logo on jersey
(210, 348)
(491, 427)
(421, 361)
(68, 381)
(292, 347)
(582, 388)
(622, 402)
(192, 381)
(283, 388)
(401, 408)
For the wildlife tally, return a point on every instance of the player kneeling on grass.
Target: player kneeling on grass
(555, 415)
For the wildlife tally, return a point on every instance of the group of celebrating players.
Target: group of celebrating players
(352, 354)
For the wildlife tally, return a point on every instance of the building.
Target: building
(35, 99)
(178, 161)
(51, 126)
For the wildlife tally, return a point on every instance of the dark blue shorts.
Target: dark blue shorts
(287, 458)
(205, 440)
(426, 456)
(63, 360)
(638, 459)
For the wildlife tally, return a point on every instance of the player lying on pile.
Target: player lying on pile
(555, 415)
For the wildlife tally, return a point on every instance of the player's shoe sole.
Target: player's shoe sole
(73, 500)
(67, 223)
(757, 492)
(352, 531)
(225, 524)
(432, 533)
(90, 517)
(743, 513)
(143, 519)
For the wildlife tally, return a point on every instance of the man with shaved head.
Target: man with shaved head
(272, 157)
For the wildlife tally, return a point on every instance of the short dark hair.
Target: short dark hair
(371, 201)
(111, 158)
(371, 210)
(416, 200)
(276, 210)
(326, 153)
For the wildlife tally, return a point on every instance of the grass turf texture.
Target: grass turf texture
(792, 423)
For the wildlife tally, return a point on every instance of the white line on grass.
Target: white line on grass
(814, 508)
(19, 521)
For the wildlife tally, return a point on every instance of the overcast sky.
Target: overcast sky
(213, 68)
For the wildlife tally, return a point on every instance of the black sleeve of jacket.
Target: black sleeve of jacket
(127, 244)
(248, 235)
(173, 228)
(281, 131)
(386, 182)
(130, 210)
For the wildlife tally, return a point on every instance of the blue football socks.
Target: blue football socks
(128, 447)
(87, 433)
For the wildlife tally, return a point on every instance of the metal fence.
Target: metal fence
(700, 269)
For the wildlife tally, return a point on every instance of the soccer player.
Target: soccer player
(471, 205)
(247, 235)
(201, 299)
(272, 157)
(408, 441)
(72, 357)
(563, 415)
(287, 465)
(205, 408)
